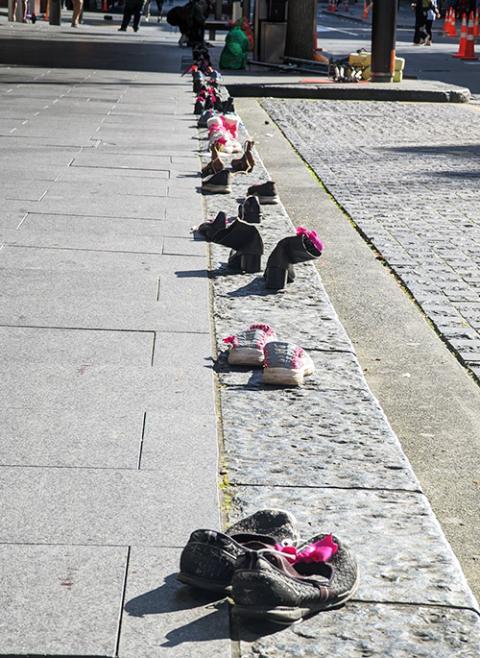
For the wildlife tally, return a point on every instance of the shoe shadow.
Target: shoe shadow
(214, 626)
(191, 274)
(172, 596)
(254, 288)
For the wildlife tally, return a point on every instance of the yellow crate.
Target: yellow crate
(365, 59)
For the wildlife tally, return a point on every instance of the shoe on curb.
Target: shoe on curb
(286, 364)
(209, 557)
(219, 183)
(246, 163)
(210, 229)
(215, 165)
(271, 585)
(266, 192)
(246, 246)
(247, 347)
(249, 211)
(289, 251)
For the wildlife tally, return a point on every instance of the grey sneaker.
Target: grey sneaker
(281, 588)
(208, 559)
(286, 364)
(247, 347)
(218, 183)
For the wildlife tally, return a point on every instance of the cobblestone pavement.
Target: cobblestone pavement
(408, 176)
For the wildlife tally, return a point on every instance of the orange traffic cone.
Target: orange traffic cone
(476, 30)
(365, 10)
(105, 6)
(453, 29)
(470, 47)
(446, 22)
(463, 38)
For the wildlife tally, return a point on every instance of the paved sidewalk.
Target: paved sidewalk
(105, 335)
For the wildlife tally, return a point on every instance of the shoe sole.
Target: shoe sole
(202, 583)
(266, 200)
(288, 376)
(285, 615)
(217, 189)
(245, 356)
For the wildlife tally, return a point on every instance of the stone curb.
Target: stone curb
(327, 453)
(358, 92)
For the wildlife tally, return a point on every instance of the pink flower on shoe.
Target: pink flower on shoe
(312, 236)
(320, 551)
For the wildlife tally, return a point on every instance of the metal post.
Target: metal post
(54, 17)
(384, 20)
(218, 9)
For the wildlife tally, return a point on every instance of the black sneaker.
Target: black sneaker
(250, 211)
(219, 183)
(266, 192)
(271, 585)
(208, 560)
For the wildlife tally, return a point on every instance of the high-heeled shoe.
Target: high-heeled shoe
(294, 249)
(246, 244)
(246, 163)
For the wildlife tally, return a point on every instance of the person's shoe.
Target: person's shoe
(246, 163)
(228, 106)
(266, 192)
(199, 106)
(120, 29)
(135, 29)
(247, 347)
(250, 211)
(215, 165)
(208, 559)
(286, 364)
(219, 183)
(246, 244)
(210, 229)
(204, 117)
(299, 248)
(286, 585)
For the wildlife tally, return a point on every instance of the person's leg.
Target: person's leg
(77, 10)
(428, 28)
(127, 15)
(137, 13)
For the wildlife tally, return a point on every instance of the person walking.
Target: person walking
(77, 12)
(132, 8)
(431, 15)
(420, 8)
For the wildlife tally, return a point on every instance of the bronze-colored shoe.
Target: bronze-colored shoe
(246, 162)
(215, 165)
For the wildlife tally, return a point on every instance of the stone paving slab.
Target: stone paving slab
(162, 617)
(373, 630)
(393, 534)
(58, 598)
(99, 506)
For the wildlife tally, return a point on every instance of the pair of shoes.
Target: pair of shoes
(284, 364)
(300, 248)
(248, 211)
(246, 162)
(267, 575)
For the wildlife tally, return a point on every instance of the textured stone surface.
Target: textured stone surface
(413, 195)
(162, 617)
(58, 598)
(401, 554)
(370, 630)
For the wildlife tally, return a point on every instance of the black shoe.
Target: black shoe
(210, 229)
(199, 106)
(135, 29)
(250, 211)
(246, 244)
(204, 117)
(219, 183)
(228, 107)
(298, 248)
(208, 559)
(122, 29)
(266, 192)
(266, 585)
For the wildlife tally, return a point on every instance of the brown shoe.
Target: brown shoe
(246, 163)
(215, 165)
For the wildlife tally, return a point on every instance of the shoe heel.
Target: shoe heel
(251, 263)
(276, 278)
